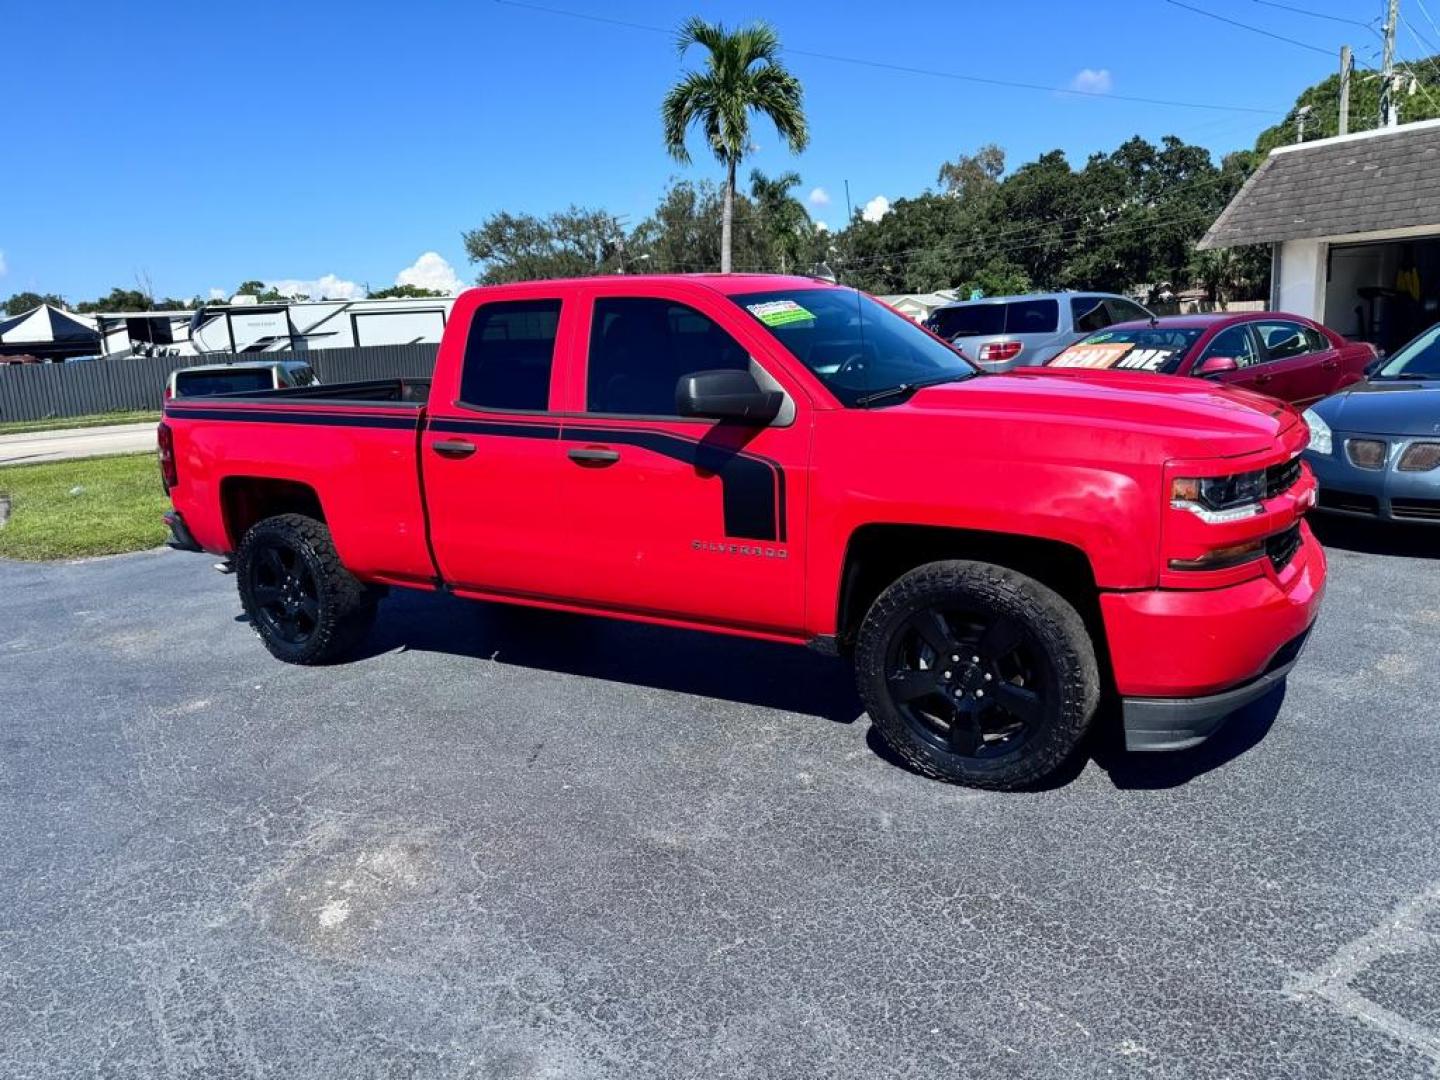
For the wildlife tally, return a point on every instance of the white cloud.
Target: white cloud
(219, 294)
(328, 287)
(822, 226)
(431, 271)
(819, 197)
(3, 267)
(876, 208)
(1092, 81)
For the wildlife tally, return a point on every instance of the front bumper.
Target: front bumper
(1180, 723)
(1184, 659)
(1387, 494)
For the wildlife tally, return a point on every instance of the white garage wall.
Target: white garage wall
(1301, 285)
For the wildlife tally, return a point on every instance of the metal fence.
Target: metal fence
(40, 391)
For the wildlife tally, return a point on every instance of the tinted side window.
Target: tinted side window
(1283, 339)
(972, 320)
(1090, 314)
(1125, 311)
(509, 353)
(640, 348)
(1318, 342)
(1236, 342)
(1032, 317)
(302, 377)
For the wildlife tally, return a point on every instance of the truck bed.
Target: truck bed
(368, 392)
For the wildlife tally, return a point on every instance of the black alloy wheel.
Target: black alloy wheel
(286, 599)
(970, 683)
(306, 607)
(977, 674)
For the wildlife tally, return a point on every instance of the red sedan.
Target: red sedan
(1285, 356)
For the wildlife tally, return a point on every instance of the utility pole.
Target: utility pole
(1389, 109)
(1346, 63)
(1301, 115)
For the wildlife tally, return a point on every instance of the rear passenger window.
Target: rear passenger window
(1283, 339)
(1089, 313)
(509, 353)
(1033, 317)
(640, 348)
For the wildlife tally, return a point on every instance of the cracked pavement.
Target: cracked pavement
(518, 844)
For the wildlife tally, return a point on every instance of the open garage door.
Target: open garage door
(1384, 292)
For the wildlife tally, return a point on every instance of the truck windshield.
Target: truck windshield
(859, 348)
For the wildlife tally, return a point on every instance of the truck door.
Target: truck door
(689, 518)
(490, 456)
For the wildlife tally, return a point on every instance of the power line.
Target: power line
(906, 69)
(1318, 14)
(1252, 29)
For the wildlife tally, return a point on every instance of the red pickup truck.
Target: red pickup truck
(786, 459)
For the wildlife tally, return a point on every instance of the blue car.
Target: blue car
(1375, 448)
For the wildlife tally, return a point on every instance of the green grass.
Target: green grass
(73, 509)
(60, 423)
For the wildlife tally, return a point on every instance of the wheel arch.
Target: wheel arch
(245, 500)
(877, 554)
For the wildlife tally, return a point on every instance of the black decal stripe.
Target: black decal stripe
(279, 416)
(501, 429)
(749, 482)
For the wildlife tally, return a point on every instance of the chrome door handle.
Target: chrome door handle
(453, 448)
(594, 456)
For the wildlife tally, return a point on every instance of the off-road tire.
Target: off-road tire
(346, 606)
(1055, 632)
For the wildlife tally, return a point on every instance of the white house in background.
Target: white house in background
(918, 306)
(1354, 228)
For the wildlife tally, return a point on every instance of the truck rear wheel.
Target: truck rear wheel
(976, 674)
(306, 607)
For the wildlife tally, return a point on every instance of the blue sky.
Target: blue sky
(200, 145)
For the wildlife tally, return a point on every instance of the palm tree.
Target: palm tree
(784, 219)
(743, 74)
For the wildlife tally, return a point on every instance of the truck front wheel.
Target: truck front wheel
(976, 674)
(306, 607)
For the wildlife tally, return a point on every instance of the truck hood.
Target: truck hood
(1187, 417)
(1385, 407)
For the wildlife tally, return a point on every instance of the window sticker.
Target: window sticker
(780, 312)
(1121, 355)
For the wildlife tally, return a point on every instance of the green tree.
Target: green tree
(685, 233)
(521, 247)
(743, 74)
(117, 299)
(782, 220)
(22, 302)
(1323, 98)
(407, 291)
(974, 175)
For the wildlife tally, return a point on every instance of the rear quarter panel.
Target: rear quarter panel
(361, 463)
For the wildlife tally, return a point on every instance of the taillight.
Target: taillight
(168, 394)
(996, 351)
(169, 476)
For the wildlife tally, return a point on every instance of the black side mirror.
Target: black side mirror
(727, 395)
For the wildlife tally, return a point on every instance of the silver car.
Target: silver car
(1005, 332)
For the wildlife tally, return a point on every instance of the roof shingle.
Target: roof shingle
(1335, 187)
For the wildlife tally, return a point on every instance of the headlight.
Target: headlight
(1217, 499)
(1320, 438)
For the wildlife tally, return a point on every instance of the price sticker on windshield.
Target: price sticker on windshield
(780, 312)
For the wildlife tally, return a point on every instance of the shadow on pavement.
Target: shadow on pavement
(746, 672)
(1377, 537)
(689, 662)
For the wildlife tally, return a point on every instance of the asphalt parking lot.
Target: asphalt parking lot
(513, 844)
